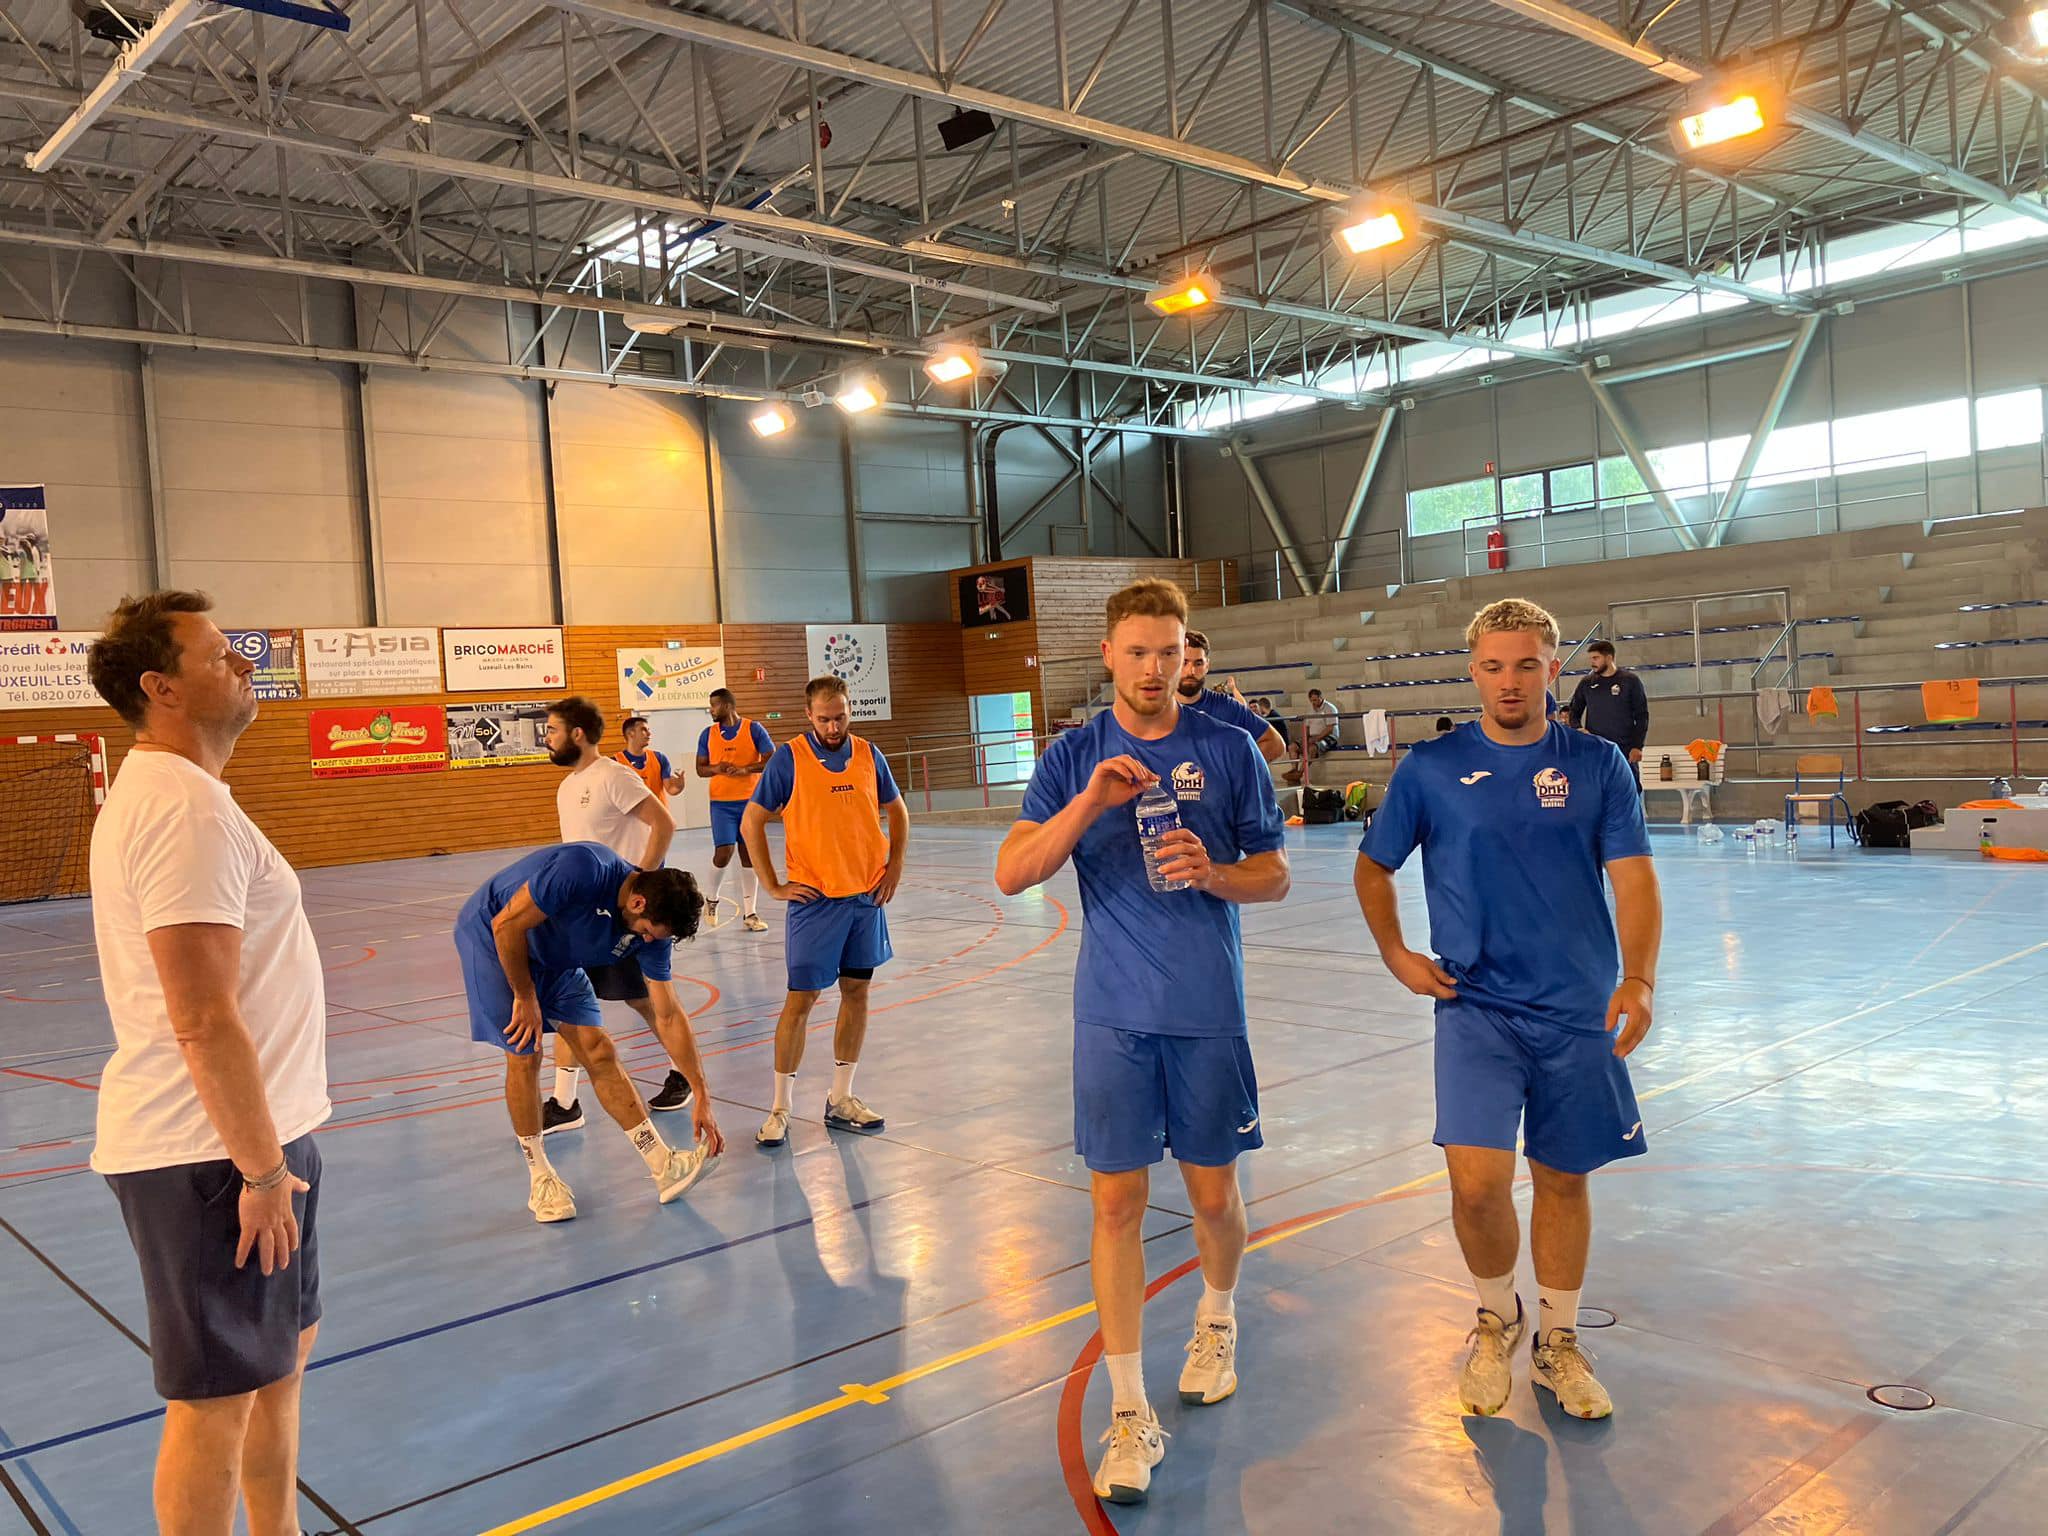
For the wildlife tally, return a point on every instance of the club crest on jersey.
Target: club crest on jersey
(1187, 782)
(1552, 788)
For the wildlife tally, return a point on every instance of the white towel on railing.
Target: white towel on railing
(1772, 706)
(1379, 735)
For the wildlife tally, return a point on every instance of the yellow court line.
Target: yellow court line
(878, 1392)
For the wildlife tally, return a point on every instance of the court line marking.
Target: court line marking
(1863, 1012)
(878, 1392)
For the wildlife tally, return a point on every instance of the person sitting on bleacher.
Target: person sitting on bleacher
(1319, 730)
(1611, 703)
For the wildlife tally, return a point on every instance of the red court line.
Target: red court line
(367, 954)
(42, 1077)
(52, 1002)
(29, 1173)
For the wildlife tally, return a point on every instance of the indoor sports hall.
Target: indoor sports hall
(548, 394)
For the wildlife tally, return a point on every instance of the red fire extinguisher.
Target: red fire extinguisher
(1496, 549)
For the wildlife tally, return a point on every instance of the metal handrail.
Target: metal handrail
(1790, 676)
(1857, 745)
(1599, 626)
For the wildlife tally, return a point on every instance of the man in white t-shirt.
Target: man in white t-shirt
(604, 801)
(219, 1071)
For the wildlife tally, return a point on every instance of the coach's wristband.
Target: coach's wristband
(270, 1180)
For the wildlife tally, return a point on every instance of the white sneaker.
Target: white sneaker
(753, 924)
(1211, 1372)
(1136, 1445)
(1489, 1371)
(849, 1114)
(1565, 1368)
(774, 1130)
(550, 1199)
(711, 919)
(681, 1171)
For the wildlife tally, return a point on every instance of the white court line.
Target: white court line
(1864, 1012)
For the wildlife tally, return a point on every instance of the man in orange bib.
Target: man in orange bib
(731, 753)
(651, 766)
(833, 789)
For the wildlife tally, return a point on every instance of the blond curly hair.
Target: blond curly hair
(1510, 615)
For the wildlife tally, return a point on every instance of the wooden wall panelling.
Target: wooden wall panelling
(348, 821)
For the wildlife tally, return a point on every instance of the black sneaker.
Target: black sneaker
(675, 1093)
(554, 1118)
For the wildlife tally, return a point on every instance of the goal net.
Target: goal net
(50, 789)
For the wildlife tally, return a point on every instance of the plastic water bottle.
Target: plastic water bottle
(1158, 814)
(1987, 836)
(1710, 835)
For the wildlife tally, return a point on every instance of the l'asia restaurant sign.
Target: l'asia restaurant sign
(378, 739)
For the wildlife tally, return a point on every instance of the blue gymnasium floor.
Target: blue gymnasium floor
(1844, 1187)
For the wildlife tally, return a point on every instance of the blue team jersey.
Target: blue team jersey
(759, 734)
(577, 885)
(778, 779)
(1160, 962)
(1221, 706)
(1514, 841)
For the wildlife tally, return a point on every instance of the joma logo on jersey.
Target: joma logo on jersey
(1552, 788)
(842, 789)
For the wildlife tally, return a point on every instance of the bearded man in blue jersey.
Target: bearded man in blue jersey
(1161, 1059)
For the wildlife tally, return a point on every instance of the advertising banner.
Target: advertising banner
(28, 588)
(46, 671)
(376, 739)
(490, 660)
(497, 735)
(274, 653)
(345, 662)
(858, 655)
(681, 678)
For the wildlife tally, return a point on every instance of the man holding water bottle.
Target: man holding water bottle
(1170, 820)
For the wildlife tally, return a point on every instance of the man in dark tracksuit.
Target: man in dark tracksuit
(1611, 703)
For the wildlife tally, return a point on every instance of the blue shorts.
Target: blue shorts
(725, 821)
(1565, 1089)
(566, 997)
(833, 934)
(1138, 1096)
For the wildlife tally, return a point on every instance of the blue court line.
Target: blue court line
(28, 1475)
(16, 1453)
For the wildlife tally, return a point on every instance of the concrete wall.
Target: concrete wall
(1979, 338)
(494, 500)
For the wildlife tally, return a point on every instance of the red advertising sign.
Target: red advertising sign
(378, 738)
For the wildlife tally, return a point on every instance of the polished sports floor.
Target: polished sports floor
(1846, 1100)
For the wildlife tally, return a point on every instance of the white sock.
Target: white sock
(648, 1143)
(750, 890)
(842, 1080)
(1555, 1309)
(1127, 1384)
(536, 1160)
(565, 1086)
(717, 884)
(1498, 1297)
(1216, 1306)
(785, 1091)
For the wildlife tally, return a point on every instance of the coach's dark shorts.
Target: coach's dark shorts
(619, 982)
(215, 1330)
